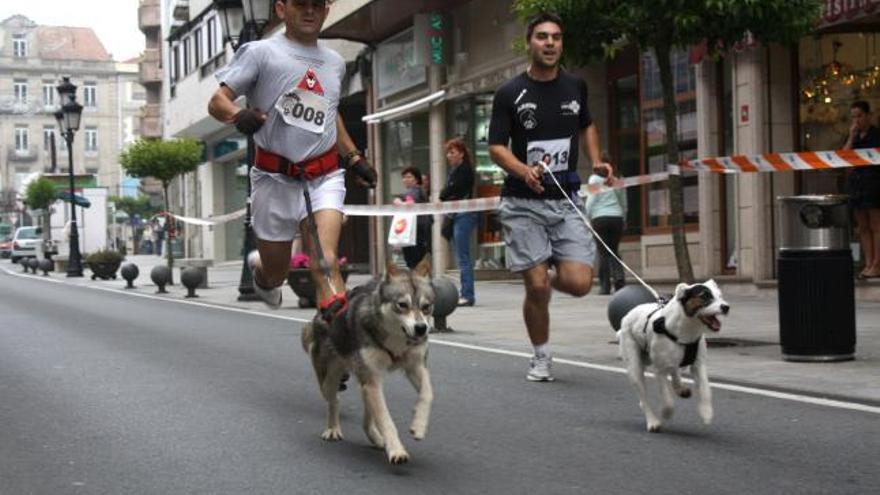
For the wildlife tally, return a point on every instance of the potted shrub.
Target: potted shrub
(299, 278)
(104, 263)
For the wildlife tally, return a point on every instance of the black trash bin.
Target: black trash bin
(817, 318)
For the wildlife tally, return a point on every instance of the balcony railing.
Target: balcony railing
(149, 17)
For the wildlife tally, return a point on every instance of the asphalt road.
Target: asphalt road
(107, 393)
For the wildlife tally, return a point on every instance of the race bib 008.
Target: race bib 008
(553, 152)
(304, 109)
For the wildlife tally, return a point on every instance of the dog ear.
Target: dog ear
(680, 291)
(390, 269)
(423, 269)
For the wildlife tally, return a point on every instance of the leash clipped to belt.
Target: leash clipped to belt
(660, 300)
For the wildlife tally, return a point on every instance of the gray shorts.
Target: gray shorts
(537, 229)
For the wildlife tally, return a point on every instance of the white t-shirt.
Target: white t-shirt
(297, 87)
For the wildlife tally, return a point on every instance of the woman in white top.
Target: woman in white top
(606, 211)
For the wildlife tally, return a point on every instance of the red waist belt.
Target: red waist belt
(307, 169)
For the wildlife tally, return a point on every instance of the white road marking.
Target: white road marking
(819, 401)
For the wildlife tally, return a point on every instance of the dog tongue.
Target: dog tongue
(712, 322)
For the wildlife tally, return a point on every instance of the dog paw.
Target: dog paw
(398, 456)
(706, 414)
(684, 393)
(667, 412)
(332, 435)
(418, 431)
(654, 426)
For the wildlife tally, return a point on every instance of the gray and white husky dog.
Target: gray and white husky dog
(670, 337)
(384, 328)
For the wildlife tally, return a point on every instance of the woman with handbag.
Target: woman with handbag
(414, 193)
(458, 227)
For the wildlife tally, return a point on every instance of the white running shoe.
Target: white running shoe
(540, 369)
(272, 297)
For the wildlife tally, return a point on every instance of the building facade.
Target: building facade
(756, 99)
(33, 59)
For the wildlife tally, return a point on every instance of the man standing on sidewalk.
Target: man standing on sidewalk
(542, 115)
(292, 84)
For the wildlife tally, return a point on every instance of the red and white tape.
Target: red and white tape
(767, 162)
(784, 162)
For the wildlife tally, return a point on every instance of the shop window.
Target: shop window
(405, 144)
(835, 71)
(469, 118)
(654, 134)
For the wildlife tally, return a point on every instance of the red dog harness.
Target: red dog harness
(308, 169)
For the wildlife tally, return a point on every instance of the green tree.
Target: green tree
(599, 28)
(164, 161)
(40, 195)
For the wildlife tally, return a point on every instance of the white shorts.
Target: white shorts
(278, 205)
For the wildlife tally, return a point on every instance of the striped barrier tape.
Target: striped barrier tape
(784, 162)
(768, 162)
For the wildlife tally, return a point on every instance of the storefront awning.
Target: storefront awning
(373, 21)
(405, 109)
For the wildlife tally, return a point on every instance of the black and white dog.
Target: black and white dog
(670, 337)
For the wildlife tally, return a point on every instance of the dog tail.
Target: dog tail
(308, 337)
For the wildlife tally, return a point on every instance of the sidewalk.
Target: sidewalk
(745, 352)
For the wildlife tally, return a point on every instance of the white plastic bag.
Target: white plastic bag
(403, 231)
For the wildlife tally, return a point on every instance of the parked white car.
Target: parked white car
(26, 243)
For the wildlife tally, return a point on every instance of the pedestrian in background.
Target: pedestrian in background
(607, 211)
(863, 186)
(460, 185)
(414, 192)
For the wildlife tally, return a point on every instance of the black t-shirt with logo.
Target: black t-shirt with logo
(541, 121)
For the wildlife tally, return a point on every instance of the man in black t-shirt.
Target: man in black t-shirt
(543, 116)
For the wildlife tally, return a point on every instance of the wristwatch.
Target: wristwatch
(353, 157)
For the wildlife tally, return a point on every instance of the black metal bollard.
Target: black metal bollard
(626, 299)
(24, 264)
(33, 263)
(47, 266)
(445, 302)
(191, 277)
(160, 275)
(129, 272)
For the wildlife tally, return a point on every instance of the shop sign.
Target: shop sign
(841, 11)
(432, 38)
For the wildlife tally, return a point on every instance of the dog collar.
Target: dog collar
(690, 350)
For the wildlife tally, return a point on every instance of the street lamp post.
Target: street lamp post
(68, 118)
(243, 23)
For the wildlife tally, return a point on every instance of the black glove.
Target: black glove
(364, 171)
(249, 121)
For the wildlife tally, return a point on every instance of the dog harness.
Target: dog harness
(307, 169)
(690, 350)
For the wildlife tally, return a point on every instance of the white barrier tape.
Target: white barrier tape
(483, 204)
(768, 162)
